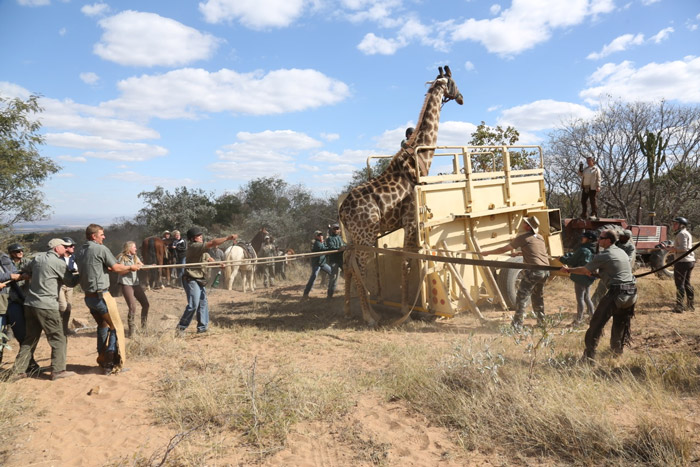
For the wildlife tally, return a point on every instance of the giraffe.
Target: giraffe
(386, 203)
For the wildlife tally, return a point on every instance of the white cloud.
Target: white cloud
(330, 136)
(62, 31)
(254, 14)
(142, 179)
(650, 2)
(543, 115)
(618, 44)
(187, 92)
(67, 115)
(469, 66)
(453, 133)
(495, 9)
(106, 148)
(676, 80)
(72, 159)
(348, 158)
(147, 39)
(96, 9)
(662, 35)
(12, 90)
(527, 23)
(65, 175)
(34, 2)
(89, 77)
(255, 154)
(373, 45)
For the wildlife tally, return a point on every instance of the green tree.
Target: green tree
(289, 212)
(182, 209)
(484, 160)
(22, 169)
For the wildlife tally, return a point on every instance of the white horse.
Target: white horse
(238, 253)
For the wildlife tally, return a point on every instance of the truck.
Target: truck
(465, 206)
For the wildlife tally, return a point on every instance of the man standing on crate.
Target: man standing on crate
(590, 186)
(534, 251)
(613, 267)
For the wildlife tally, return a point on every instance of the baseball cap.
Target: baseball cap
(54, 242)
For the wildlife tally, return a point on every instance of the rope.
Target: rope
(675, 260)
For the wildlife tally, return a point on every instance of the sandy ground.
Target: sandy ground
(72, 421)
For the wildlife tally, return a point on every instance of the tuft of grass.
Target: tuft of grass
(154, 343)
(14, 406)
(656, 442)
(675, 372)
(260, 405)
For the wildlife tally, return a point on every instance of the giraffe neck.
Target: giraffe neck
(426, 131)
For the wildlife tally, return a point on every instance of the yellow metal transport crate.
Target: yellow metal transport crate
(473, 199)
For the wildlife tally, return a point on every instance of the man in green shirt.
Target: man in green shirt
(94, 261)
(48, 272)
(613, 266)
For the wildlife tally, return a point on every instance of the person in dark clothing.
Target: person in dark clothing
(582, 283)
(318, 263)
(335, 260)
(613, 267)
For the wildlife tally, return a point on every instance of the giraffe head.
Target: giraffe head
(452, 92)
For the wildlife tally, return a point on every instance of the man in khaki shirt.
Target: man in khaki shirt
(48, 272)
(532, 282)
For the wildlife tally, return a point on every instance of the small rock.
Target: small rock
(168, 317)
(94, 391)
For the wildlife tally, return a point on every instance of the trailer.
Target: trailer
(471, 200)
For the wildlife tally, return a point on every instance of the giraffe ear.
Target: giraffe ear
(441, 72)
(448, 72)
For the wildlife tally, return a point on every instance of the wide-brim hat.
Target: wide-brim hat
(532, 222)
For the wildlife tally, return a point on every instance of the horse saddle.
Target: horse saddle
(248, 250)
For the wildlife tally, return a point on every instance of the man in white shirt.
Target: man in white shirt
(590, 186)
(684, 267)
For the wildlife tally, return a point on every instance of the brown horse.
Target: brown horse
(153, 252)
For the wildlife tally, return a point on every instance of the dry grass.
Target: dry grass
(14, 405)
(260, 405)
(524, 397)
(560, 411)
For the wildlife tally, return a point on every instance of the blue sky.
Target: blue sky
(215, 93)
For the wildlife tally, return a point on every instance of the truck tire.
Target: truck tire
(508, 281)
(659, 258)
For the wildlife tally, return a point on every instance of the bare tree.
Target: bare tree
(612, 138)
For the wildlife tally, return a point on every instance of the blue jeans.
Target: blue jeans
(180, 271)
(15, 319)
(314, 273)
(106, 338)
(196, 303)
